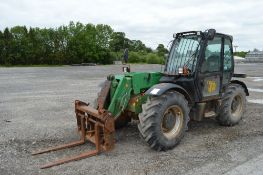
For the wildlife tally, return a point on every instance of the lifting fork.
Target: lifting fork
(90, 124)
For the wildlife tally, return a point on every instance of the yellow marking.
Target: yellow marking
(211, 86)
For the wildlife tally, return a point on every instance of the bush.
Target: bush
(116, 56)
(154, 59)
(135, 57)
(141, 57)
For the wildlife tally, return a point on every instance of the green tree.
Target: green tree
(1, 47)
(117, 41)
(103, 36)
(19, 47)
(7, 49)
(241, 54)
(137, 45)
(70, 44)
(154, 59)
(161, 50)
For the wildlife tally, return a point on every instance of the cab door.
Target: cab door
(228, 63)
(210, 74)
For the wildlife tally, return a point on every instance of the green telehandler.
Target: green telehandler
(197, 80)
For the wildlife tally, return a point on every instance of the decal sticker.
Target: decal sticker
(211, 86)
(155, 91)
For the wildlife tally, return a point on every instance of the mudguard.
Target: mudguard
(161, 88)
(242, 84)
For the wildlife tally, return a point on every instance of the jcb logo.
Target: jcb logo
(211, 86)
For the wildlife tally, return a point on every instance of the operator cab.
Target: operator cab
(203, 60)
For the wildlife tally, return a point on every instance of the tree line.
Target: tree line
(241, 54)
(74, 43)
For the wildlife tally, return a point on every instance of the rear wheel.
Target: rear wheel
(163, 120)
(233, 105)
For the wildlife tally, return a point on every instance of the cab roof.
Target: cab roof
(176, 35)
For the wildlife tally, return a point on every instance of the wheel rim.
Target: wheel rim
(237, 105)
(172, 121)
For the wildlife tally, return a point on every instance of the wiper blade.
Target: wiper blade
(193, 56)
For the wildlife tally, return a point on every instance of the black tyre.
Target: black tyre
(233, 105)
(163, 120)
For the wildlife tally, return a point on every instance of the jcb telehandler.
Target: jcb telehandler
(197, 79)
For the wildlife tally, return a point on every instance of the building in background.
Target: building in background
(254, 56)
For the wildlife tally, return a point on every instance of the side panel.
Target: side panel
(187, 83)
(127, 91)
(211, 86)
(120, 95)
(141, 80)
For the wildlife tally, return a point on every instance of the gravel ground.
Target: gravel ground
(36, 111)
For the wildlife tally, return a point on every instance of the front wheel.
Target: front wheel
(163, 120)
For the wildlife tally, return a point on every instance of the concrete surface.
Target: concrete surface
(36, 111)
(251, 167)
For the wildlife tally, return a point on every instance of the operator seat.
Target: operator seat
(211, 64)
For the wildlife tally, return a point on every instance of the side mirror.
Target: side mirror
(210, 34)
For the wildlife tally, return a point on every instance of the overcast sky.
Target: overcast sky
(152, 21)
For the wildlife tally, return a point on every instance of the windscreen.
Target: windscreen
(183, 52)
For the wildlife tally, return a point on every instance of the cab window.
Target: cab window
(211, 62)
(227, 55)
